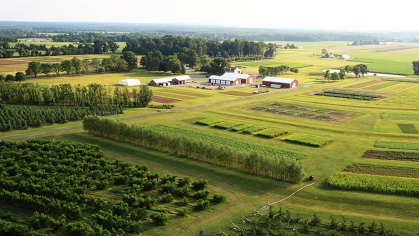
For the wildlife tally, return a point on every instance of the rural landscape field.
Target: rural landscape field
(357, 136)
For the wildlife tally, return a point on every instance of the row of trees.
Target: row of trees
(98, 47)
(274, 71)
(358, 70)
(255, 162)
(21, 118)
(115, 63)
(78, 95)
(169, 45)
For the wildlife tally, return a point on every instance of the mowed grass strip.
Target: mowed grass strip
(391, 155)
(374, 183)
(309, 140)
(210, 121)
(399, 116)
(381, 85)
(271, 133)
(237, 93)
(183, 92)
(396, 145)
(408, 128)
(372, 169)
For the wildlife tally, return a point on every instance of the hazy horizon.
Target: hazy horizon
(355, 15)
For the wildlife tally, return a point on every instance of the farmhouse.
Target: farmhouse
(235, 70)
(129, 82)
(181, 79)
(232, 79)
(280, 82)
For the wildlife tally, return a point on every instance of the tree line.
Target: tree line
(274, 71)
(78, 95)
(99, 46)
(358, 70)
(21, 118)
(169, 45)
(167, 140)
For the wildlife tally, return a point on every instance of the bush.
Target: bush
(183, 202)
(202, 204)
(159, 218)
(201, 194)
(199, 185)
(167, 197)
(218, 198)
(182, 212)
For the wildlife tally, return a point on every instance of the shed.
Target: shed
(129, 82)
(282, 82)
(181, 79)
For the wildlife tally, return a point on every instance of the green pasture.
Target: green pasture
(351, 136)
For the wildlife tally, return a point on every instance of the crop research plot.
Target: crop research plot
(347, 112)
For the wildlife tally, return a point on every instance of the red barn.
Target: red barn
(280, 82)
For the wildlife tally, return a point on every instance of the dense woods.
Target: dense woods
(60, 183)
(273, 163)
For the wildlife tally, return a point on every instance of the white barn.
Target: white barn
(129, 82)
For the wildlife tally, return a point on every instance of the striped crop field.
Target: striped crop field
(272, 133)
(374, 183)
(237, 93)
(399, 116)
(210, 121)
(391, 155)
(309, 140)
(371, 169)
(183, 92)
(396, 145)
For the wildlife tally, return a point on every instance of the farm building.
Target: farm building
(232, 79)
(280, 82)
(235, 70)
(129, 82)
(181, 79)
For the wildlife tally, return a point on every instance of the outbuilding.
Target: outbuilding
(224, 80)
(276, 82)
(129, 82)
(232, 79)
(181, 79)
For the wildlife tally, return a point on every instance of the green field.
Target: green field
(356, 127)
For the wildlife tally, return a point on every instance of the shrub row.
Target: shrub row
(309, 140)
(408, 128)
(396, 145)
(391, 155)
(210, 121)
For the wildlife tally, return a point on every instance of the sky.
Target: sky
(351, 15)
